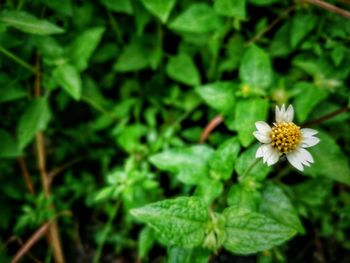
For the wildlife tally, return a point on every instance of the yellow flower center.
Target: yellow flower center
(285, 136)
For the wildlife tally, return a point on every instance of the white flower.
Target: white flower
(285, 138)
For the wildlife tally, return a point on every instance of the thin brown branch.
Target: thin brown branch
(327, 116)
(216, 121)
(31, 242)
(55, 171)
(329, 7)
(284, 14)
(26, 175)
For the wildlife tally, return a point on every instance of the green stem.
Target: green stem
(250, 168)
(98, 107)
(106, 231)
(115, 27)
(17, 59)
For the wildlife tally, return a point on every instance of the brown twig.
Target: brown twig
(270, 26)
(327, 116)
(53, 234)
(216, 121)
(329, 7)
(51, 175)
(26, 175)
(30, 242)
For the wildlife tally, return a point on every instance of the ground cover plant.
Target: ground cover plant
(139, 131)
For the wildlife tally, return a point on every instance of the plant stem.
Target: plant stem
(26, 175)
(106, 231)
(329, 7)
(17, 59)
(327, 116)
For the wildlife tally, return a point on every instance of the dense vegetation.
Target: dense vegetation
(127, 130)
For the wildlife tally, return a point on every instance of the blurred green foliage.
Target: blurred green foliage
(122, 91)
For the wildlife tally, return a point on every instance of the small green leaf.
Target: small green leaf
(249, 232)
(309, 96)
(179, 221)
(249, 168)
(302, 25)
(182, 69)
(330, 161)
(122, 6)
(255, 69)
(35, 118)
(219, 95)
(10, 91)
(159, 8)
(69, 79)
(231, 8)
(263, 2)
(145, 241)
(190, 164)
(133, 58)
(249, 111)
(208, 190)
(188, 255)
(80, 51)
(28, 23)
(222, 162)
(8, 146)
(198, 18)
(277, 205)
(243, 197)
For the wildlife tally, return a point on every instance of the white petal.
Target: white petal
(263, 127)
(308, 132)
(264, 152)
(279, 114)
(289, 114)
(260, 151)
(262, 137)
(294, 160)
(309, 141)
(304, 156)
(273, 157)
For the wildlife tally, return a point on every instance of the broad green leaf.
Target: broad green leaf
(309, 96)
(28, 23)
(302, 25)
(329, 159)
(247, 112)
(277, 205)
(219, 95)
(187, 255)
(180, 221)
(256, 69)
(145, 241)
(68, 78)
(129, 137)
(34, 119)
(133, 58)
(249, 232)
(49, 48)
(122, 6)
(208, 190)
(249, 168)
(159, 8)
(8, 146)
(182, 69)
(280, 45)
(198, 18)
(231, 8)
(80, 51)
(190, 164)
(243, 197)
(313, 192)
(222, 162)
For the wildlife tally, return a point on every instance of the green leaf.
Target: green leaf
(198, 18)
(188, 255)
(179, 221)
(309, 96)
(182, 69)
(35, 118)
(249, 111)
(255, 69)
(330, 161)
(302, 25)
(190, 164)
(133, 58)
(277, 205)
(243, 197)
(28, 23)
(121, 6)
(249, 232)
(249, 168)
(8, 146)
(159, 8)
(80, 51)
(129, 137)
(219, 95)
(264, 2)
(231, 8)
(222, 162)
(69, 79)
(145, 241)
(10, 91)
(208, 190)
